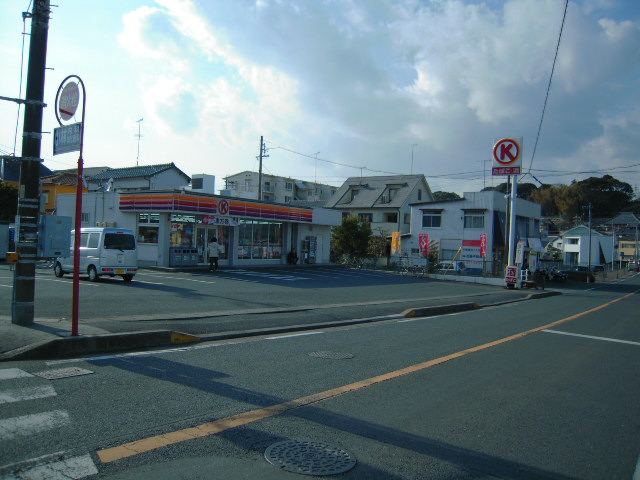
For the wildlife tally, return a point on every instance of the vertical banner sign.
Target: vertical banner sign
(424, 244)
(396, 245)
(520, 252)
(483, 245)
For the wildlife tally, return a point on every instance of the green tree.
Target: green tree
(8, 201)
(351, 238)
(525, 190)
(440, 196)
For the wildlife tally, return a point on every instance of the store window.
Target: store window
(148, 226)
(391, 217)
(259, 240)
(365, 217)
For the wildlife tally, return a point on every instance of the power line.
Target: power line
(553, 67)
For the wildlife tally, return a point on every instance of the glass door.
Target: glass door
(201, 244)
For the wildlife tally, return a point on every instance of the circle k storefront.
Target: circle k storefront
(174, 228)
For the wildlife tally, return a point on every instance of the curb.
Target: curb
(113, 342)
(120, 342)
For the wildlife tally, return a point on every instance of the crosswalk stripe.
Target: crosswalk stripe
(11, 428)
(11, 373)
(27, 393)
(74, 468)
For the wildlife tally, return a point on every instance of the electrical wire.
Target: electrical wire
(546, 99)
(24, 34)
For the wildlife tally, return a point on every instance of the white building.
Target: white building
(275, 188)
(383, 201)
(455, 228)
(579, 241)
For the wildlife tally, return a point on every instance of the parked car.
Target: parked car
(597, 268)
(579, 273)
(633, 267)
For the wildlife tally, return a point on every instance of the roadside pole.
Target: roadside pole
(24, 278)
(507, 161)
(66, 105)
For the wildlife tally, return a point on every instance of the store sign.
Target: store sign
(211, 220)
(176, 217)
(483, 245)
(511, 277)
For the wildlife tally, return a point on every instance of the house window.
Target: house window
(365, 217)
(407, 218)
(392, 194)
(419, 194)
(474, 219)
(354, 193)
(287, 199)
(431, 218)
(391, 217)
(148, 226)
(288, 185)
(197, 183)
(84, 217)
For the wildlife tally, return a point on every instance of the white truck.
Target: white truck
(103, 251)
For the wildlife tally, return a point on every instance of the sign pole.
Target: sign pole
(512, 220)
(78, 220)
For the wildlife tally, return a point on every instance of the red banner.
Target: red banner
(424, 243)
(483, 245)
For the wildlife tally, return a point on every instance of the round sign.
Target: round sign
(506, 152)
(223, 207)
(68, 102)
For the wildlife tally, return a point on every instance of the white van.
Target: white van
(103, 251)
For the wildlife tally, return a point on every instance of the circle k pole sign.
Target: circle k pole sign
(507, 157)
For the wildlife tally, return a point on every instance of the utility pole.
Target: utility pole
(24, 279)
(263, 154)
(139, 137)
(589, 236)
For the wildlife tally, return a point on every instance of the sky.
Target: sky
(341, 88)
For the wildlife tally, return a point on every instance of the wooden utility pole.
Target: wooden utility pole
(24, 279)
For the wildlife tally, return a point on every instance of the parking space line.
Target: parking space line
(605, 339)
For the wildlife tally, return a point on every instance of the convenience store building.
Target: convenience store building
(173, 227)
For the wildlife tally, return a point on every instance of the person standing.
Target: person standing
(214, 253)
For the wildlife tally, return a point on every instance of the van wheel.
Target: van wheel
(57, 270)
(127, 278)
(93, 274)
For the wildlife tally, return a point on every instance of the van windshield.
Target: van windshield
(119, 241)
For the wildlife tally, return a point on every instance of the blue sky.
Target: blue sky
(356, 81)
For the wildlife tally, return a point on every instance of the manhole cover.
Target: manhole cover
(333, 355)
(309, 458)
(62, 373)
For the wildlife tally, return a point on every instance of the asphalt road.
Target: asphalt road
(545, 389)
(200, 303)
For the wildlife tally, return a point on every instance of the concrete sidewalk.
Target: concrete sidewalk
(47, 340)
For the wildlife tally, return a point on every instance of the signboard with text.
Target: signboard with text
(507, 157)
(67, 138)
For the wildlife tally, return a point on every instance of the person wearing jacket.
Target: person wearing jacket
(214, 250)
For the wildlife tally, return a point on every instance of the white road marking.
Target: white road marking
(26, 393)
(11, 373)
(7, 286)
(592, 337)
(293, 335)
(68, 468)
(181, 279)
(11, 428)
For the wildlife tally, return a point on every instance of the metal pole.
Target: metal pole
(24, 281)
(260, 169)
(512, 220)
(412, 147)
(589, 236)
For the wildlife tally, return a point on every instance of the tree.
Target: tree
(525, 190)
(8, 201)
(545, 196)
(440, 196)
(351, 238)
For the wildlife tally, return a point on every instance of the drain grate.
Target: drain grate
(309, 458)
(332, 355)
(63, 373)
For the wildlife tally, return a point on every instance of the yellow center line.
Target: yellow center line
(211, 428)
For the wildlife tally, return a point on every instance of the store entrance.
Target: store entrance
(204, 235)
